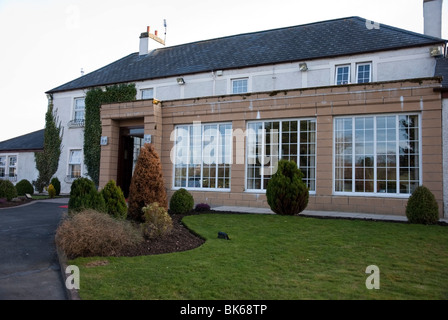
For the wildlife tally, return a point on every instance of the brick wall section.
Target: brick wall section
(322, 103)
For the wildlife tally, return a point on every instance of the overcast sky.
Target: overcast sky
(46, 43)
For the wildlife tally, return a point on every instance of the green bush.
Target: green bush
(23, 187)
(114, 200)
(181, 202)
(57, 185)
(83, 195)
(422, 207)
(157, 221)
(51, 191)
(286, 193)
(7, 190)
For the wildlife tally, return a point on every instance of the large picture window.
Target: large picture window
(203, 156)
(269, 141)
(377, 154)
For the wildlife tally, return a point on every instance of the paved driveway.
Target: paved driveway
(29, 265)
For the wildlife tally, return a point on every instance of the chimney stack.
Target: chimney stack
(432, 15)
(144, 43)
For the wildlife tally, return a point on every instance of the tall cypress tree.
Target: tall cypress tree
(47, 161)
(147, 184)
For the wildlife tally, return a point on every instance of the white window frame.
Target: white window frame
(146, 90)
(3, 165)
(348, 65)
(357, 71)
(7, 166)
(376, 193)
(279, 142)
(76, 110)
(71, 163)
(187, 145)
(236, 80)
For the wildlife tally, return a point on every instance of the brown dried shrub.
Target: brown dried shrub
(91, 233)
(147, 184)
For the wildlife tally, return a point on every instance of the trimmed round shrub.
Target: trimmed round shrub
(114, 200)
(422, 207)
(51, 191)
(181, 202)
(91, 233)
(57, 185)
(7, 190)
(286, 193)
(83, 195)
(23, 187)
(157, 221)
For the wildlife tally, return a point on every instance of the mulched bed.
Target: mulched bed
(180, 239)
(9, 204)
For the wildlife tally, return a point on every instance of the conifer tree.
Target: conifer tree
(47, 161)
(147, 185)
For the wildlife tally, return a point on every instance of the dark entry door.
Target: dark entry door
(129, 149)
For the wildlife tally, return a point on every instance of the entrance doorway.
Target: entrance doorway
(131, 141)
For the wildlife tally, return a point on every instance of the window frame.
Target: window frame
(76, 110)
(340, 66)
(3, 165)
(375, 167)
(280, 155)
(228, 137)
(236, 80)
(145, 90)
(357, 71)
(7, 166)
(71, 163)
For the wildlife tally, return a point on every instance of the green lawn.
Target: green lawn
(272, 257)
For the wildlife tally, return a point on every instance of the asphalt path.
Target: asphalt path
(29, 264)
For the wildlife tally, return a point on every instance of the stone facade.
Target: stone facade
(324, 104)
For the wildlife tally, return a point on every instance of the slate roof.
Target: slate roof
(33, 141)
(346, 36)
(442, 70)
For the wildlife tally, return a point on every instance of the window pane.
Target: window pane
(342, 75)
(79, 113)
(203, 156)
(396, 161)
(364, 73)
(239, 86)
(147, 94)
(269, 141)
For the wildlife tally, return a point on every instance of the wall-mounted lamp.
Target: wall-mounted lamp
(180, 81)
(303, 66)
